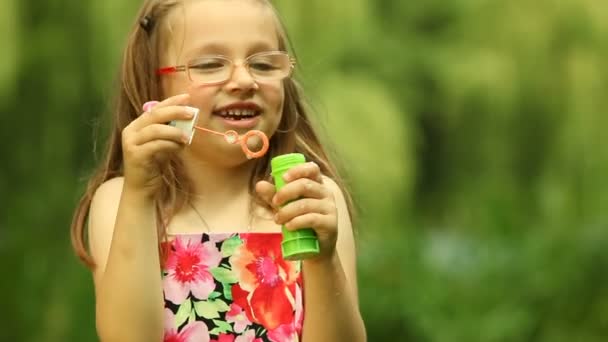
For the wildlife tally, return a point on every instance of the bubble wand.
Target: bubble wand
(231, 137)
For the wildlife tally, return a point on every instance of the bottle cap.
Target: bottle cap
(283, 162)
(300, 248)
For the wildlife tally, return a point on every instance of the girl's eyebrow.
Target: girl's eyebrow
(213, 47)
(261, 46)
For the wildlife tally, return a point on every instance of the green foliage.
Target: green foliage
(471, 133)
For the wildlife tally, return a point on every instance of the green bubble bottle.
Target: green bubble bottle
(302, 243)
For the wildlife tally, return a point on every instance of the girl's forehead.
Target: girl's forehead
(222, 26)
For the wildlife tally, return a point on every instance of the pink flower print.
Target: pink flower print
(237, 316)
(188, 265)
(248, 336)
(284, 333)
(193, 332)
(299, 308)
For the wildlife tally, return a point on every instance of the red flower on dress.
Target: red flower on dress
(266, 289)
(290, 332)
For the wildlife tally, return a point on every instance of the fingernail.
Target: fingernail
(287, 177)
(192, 111)
(149, 105)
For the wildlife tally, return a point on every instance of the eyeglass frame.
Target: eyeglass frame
(186, 67)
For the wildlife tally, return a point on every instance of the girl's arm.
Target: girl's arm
(331, 308)
(123, 242)
(122, 228)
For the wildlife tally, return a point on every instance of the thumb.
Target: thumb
(266, 191)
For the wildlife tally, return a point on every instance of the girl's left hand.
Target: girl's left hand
(313, 204)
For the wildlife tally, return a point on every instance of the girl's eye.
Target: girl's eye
(210, 65)
(263, 66)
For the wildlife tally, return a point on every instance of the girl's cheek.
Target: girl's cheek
(274, 93)
(202, 97)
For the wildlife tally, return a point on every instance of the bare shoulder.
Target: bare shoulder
(346, 240)
(110, 187)
(105, 200)
(333, 186)
(339, 197)
(102, 216)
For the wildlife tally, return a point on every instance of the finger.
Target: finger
(302, 187)
(162, 116)
(160, 148)
(302, 207)
(307, 170)
(181, 99)
(266, 191)
(160, 132)
(149, 105)
(310, 220)
(151, 150)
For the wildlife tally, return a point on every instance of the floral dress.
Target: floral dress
(231, 288)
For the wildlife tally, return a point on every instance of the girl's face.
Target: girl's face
(235, 29)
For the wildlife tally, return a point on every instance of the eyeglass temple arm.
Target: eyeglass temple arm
(170, 70)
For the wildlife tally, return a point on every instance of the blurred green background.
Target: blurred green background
(472, 132)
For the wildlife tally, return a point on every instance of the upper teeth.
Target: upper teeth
(239, 112)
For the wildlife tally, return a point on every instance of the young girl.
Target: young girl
(184, 235)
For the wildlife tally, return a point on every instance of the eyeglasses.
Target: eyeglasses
(214, 69)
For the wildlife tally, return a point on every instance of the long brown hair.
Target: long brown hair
(138, 84)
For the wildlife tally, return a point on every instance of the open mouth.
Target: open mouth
(238, 114)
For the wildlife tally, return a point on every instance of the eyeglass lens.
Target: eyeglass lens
(262, 67)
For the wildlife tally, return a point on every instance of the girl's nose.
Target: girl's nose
(241, 79)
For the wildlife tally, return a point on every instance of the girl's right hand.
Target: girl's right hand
(148, 141)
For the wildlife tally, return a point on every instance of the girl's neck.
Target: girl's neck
(220, 201)
(218, 184)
